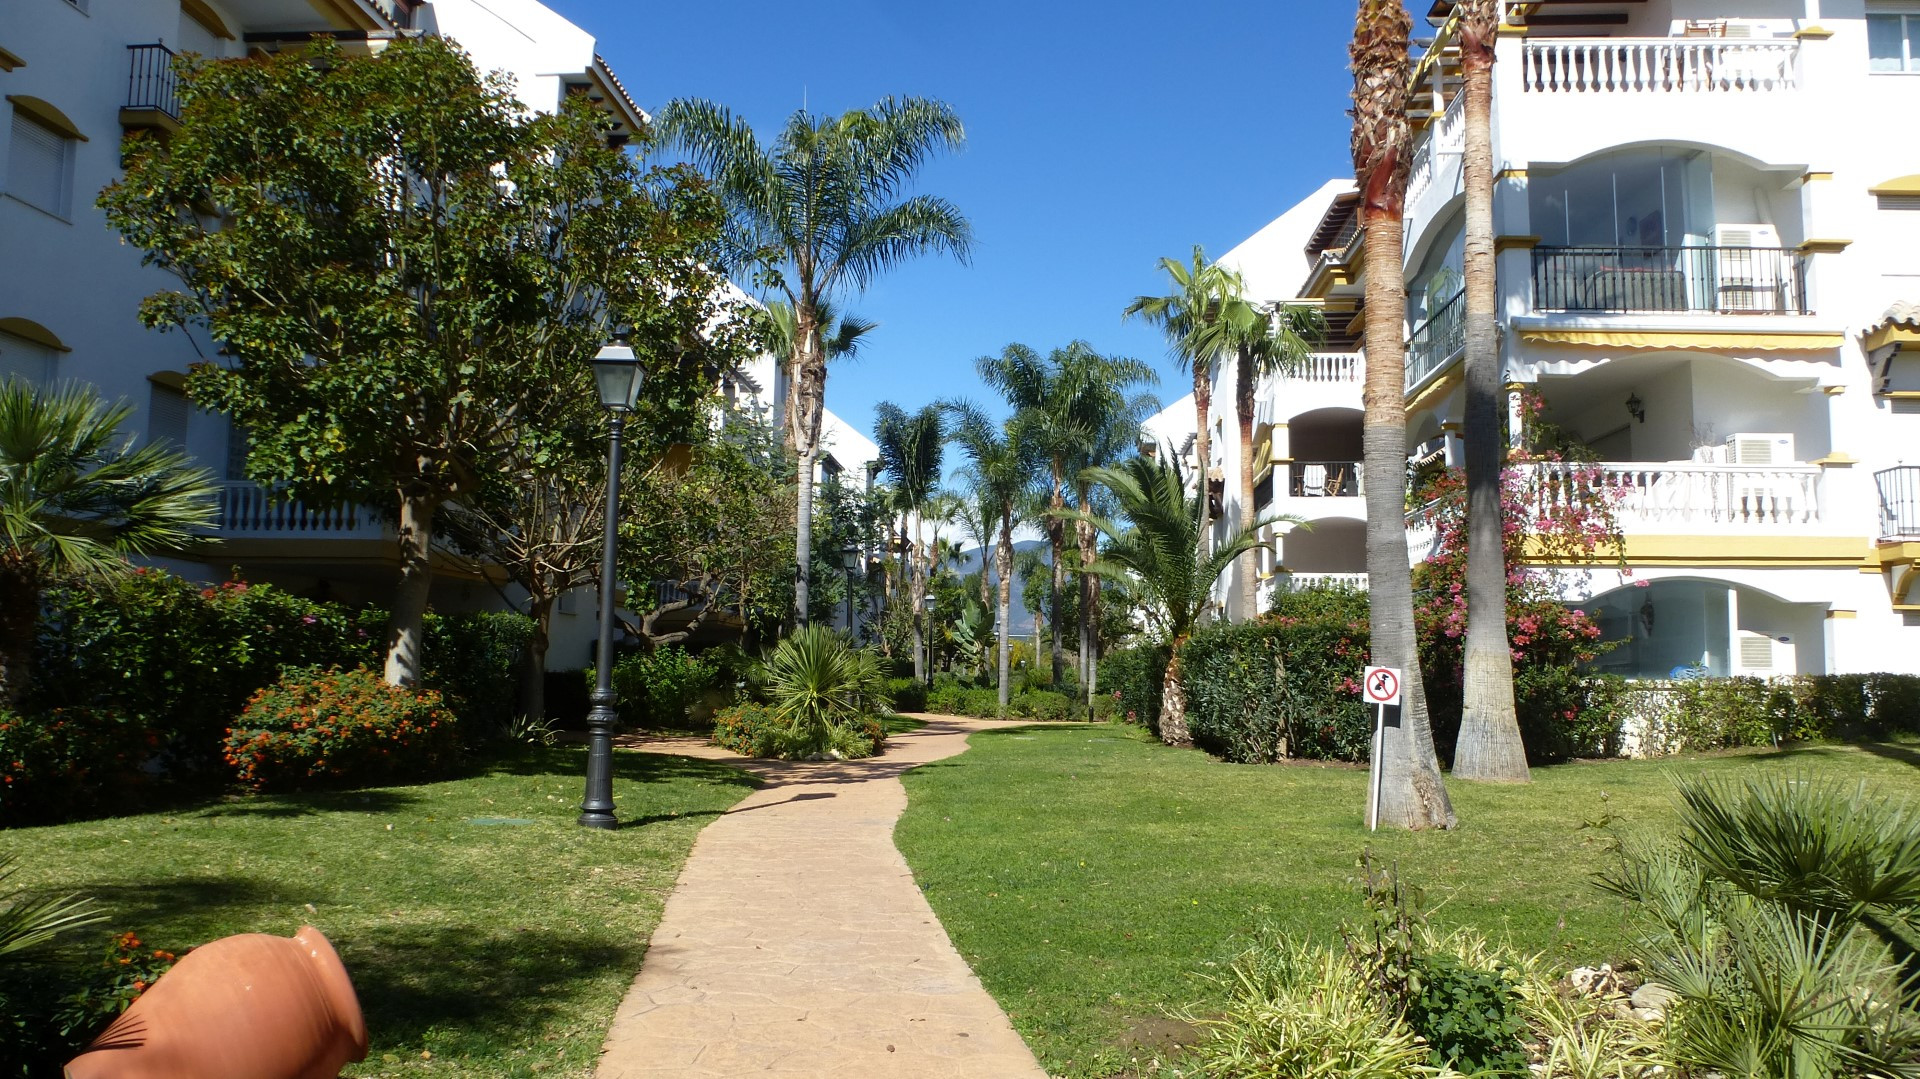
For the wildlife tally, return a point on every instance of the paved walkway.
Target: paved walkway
(796, 942)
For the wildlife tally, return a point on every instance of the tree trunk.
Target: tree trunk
(533, 680)
(1057, 546)
(1203, 452)
(918, 598)
(1003, 566)
(1489, 746)
(1173, 702)
(1243, 395)
(1089, 603)
(803, 536)
(1411, 792)
(406, 621)
(19, 618)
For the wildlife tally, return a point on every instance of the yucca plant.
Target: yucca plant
(815, 682)
(28, 921)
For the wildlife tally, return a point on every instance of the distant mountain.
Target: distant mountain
(969, 564)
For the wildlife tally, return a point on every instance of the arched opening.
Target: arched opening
(1678, 627)
(1331, 545)
(1324, 447)
(1688, 407)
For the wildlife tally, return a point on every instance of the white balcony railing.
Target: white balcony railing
(248, 509)
(1447, 136)
(1687, 497)
(1300, 582)
(1329, 367)
(1618, 65)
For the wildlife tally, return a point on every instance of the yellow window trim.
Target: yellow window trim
(173, 380)
(1706, 340)
(9, 61)
(1812, 33)
(1436, 389)
(44, 112)
(1823, 247)
(28, 330)
(1812, 552)
(199, 11)
(1838, 614)
(1513, 243)
(1902, 185)
(1889, 333)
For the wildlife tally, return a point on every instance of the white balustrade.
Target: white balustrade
(248, 508)
(1299, 582)
(1450, 132)
(1329, 367)
(1420, 177)
(1657, 65)
(1685, 497)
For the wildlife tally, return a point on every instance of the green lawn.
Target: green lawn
(1088, 873)
(501, 948)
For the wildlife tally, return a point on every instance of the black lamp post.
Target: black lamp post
(616, 373)
(850, 561)
(928, 600)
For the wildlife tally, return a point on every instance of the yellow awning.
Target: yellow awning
(1705, 340)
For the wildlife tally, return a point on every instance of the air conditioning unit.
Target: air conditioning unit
(1759, 449)
(1749, 268)
(1763, 655)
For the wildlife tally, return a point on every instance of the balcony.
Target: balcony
(248, 510)
(1324, 479)
(1437, 340)
(1899, 503)
(153, 100)
(1683, 497)
(1658, 66)
(1692, 279)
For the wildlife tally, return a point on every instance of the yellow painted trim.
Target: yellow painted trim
(1509, 174)
(1840, 615)
(1510, 30)
(44, 112)
(1811, 552)
(9, 61)
(1900, 185)
(1452, 427)
(1810, 177)
(1901, 395)
(1896, 553)
(173, 380)
(1437, 388)
(1812, 33)
(1889, 333)
(1823, 247)
(1708, 340)
(199, 11)
(28, 330)
(1836, 460)
(344, 15)
(1515, 243)
(1833, 391)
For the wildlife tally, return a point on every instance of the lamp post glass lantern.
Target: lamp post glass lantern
(927, 601)
(617, 376)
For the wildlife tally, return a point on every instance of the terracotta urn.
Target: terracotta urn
(251, 1006)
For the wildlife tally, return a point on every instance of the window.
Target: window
(1893, 42)
(167, 416)
(25, 359)
(39, 165)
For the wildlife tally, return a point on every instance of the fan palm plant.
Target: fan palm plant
(823, 206)
(1411, 792)
(911, 448)
(1154, 554)
(1489, 746)
(815, 682)
(28, 921)
(76, 498)
(1001, 470)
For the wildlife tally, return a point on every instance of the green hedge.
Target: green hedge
(1134, 678)
(907, 694)
(1726, 713)
(668, 688)
(475, 661)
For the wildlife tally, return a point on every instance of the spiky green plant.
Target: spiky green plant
(28, 921)
(816, 683)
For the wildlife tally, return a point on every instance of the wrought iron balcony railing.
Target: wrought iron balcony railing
(1899, 501)
(151, 83)
(1623, 280)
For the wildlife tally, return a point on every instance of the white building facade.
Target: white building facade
(1709, 273)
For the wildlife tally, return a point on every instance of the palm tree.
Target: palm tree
(1000, 468)
(75, 499)
(978, 521)
(1114, 421)
(911, 448)
(1489, 746)
(823, 206)
(1411, 792)
(1266, 342)
(1061, 403)
(1190, 317)
(1155, 556)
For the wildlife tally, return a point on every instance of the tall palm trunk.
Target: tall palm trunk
(1089, 604)
(1203, 450)
(1003, 566)
(1490, 747)
(918, 597)
(1243, 395)
(1411, 792)
(1173, 699)
(809, 396)
(1057, 543)
(407, 621)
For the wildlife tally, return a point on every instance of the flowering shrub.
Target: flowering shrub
(334, 727)
(50, 1011)
(65, 761)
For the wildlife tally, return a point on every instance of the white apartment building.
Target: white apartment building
(1709, 272)
(78, 74)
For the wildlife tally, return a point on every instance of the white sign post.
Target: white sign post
(1380, 687)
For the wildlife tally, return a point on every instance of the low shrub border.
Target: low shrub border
(333, 728)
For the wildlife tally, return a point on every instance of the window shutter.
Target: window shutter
(167, 415)
(37, 165)
(25, 359)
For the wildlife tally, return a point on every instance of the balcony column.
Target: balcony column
(1456, 444)
(1516, 415)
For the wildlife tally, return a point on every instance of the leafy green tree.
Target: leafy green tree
(401, 264)
(1154, 555)
(911, 449)
(76, 497)
(821, 208)
(1001, 465)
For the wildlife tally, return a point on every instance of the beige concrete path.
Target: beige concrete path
(796, 942)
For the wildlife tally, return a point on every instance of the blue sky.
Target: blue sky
(1100, 137)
